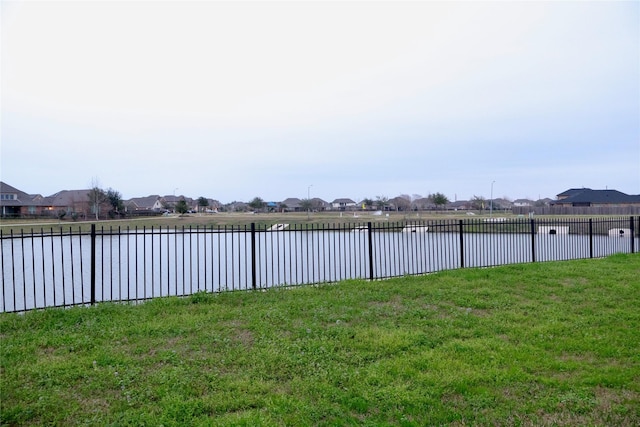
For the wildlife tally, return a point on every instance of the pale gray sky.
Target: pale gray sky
(232, 100)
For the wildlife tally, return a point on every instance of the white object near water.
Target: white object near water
(620, 232)
(415, 229)
(278, 227)
(496, 219)
(553, 229)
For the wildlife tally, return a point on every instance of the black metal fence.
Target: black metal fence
(64, 268)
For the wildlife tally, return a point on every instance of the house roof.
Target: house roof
(572, 192)
(459, 203)
(66, 198)
(424, 201)
(343, 201)
(291, 202)
(144, 202)
(6, 188)
(400, 202)
(176, 199)
(316, 201)
(21, 198)
(587, 195)
(504, 202)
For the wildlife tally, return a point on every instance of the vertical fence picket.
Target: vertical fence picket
(13, 269)
(93, 264)
(253, 256)
(370, 250)
(633, 233)
(533, 240)
(24, 288)
(33, 269)
(461, 225)
(590, 238)
(4, 294)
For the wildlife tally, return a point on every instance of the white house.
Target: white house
(343, 204)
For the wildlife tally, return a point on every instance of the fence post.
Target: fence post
(461, 225)
(632, 232)
(533, 240)
(253, 255)
(93, 264)
(590, 238)
(370, 236)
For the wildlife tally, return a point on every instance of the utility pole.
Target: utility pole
(309, 201)
(491, 201)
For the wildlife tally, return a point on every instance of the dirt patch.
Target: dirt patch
(244, 337)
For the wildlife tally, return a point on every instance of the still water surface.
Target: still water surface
(56, 270)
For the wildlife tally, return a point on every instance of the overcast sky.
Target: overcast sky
(232, 100)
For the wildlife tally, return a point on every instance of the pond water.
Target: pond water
(43, 271)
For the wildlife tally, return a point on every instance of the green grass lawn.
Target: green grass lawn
(536, 344)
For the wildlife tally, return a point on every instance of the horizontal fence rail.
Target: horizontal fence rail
(64, 268)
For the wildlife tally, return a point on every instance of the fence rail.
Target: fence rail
(63, 268)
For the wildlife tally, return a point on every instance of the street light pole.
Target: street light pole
(491, 201)
(174, 199)
(309, 201)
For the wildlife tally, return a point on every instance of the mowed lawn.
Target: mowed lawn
(538, 344)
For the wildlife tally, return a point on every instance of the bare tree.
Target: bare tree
(478, 202)
(97, 197)
(402, 202)
(382, 202)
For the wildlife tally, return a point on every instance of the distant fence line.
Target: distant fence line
(65, 268)
(515, 210)
(577, 210)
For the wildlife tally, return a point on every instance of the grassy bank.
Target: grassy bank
(300, 219)
(237, 219)
(536, 344)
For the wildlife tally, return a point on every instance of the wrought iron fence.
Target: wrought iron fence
(64, 268)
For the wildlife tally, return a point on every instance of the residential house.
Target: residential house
(343, 204)
(587, 197)
(460, 205)
(523, 202)
(400, 204)
(570, 193)
(76, 203)
(236, 206)
(15, 203)
(319, 205)
(585, 201)
(169, 202)
(502, 204)
(423, 204)
(149, 203)
(292, 204)
(213, 206)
